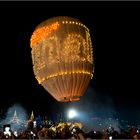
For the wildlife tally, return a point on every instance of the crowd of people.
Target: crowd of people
(68, 130)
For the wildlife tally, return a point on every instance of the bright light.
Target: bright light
(110, 138)
(15, 133)
(72, 113)
(34, 123)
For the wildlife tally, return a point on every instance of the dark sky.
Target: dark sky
(115, 32)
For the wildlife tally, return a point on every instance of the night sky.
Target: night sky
(115, 33)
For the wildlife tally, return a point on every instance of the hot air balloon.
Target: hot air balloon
(62, 57)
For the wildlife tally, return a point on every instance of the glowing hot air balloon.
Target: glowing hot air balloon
(62, 57)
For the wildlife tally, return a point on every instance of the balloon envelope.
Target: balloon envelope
(62, 57)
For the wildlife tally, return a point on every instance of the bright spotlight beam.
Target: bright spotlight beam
(72, 113)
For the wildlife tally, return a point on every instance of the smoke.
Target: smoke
(96, 111)
(19, 122)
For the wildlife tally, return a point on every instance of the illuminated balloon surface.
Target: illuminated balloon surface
(62, 57)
